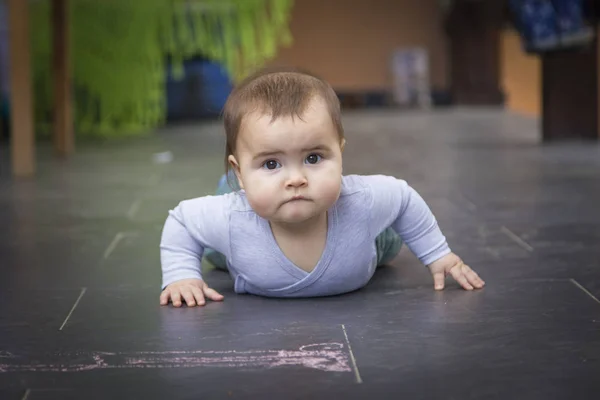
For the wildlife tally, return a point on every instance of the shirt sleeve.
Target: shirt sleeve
(396, 204)
(189, 229)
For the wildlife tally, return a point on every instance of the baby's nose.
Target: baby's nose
(296, 179)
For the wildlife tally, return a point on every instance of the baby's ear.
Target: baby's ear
(342, 144)
(236, 169)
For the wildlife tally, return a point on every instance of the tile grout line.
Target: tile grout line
(26, 395)
(574, 282)
(516, 239)
(134, 208)
(113, 245)
(356, 373)
(83, 290)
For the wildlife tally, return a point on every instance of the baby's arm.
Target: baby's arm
(191, 227)
(413, 220)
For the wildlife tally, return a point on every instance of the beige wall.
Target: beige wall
(349, 42)
(521, 76)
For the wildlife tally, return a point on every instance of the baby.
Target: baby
(295, 226)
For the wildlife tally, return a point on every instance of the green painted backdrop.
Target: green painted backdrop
(120, 50)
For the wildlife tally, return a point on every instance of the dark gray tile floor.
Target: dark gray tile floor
(80, 276)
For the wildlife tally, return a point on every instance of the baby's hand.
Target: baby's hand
(453, 265)
(192, 291)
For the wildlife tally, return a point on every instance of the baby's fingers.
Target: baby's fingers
(189, 297)
(439, 280)
(164, 297)
(212, 294)
(472, 277)
(176, 298)
(199, 296)
(459, 276)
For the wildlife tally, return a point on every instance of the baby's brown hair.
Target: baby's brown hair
(280, 92)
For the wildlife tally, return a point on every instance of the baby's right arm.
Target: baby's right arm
(191, 227)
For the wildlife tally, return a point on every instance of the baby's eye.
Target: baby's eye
(313, 158)
(270, 164)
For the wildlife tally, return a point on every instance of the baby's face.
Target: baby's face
(290, 169)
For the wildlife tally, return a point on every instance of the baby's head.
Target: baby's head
(284, 142)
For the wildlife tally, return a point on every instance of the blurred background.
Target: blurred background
(109, 117)
(112, 69)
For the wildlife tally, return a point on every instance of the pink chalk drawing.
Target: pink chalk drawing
(328, 357)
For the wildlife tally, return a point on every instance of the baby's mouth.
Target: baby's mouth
(296, 199)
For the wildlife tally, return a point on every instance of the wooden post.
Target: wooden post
(64, 142)
(2, 133)
(570, 89)
(570, 94)
(474, 29)
(22, 137)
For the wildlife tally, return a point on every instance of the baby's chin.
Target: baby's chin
(297, 217)
(292, 212)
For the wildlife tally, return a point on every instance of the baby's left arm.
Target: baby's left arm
(413, 220)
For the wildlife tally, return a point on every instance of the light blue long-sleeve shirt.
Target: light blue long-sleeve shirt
(366, 207)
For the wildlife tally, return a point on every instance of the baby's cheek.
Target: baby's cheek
(332, 194)
(261, 201)
(330, 188)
